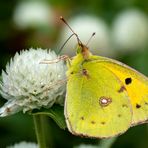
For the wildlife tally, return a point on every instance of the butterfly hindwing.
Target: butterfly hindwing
(97, 104)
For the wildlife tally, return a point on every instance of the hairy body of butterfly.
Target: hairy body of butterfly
(104, 97)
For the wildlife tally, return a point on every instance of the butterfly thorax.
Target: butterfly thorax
(83, 55)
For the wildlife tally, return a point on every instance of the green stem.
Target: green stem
(40, 131)
(107, 143)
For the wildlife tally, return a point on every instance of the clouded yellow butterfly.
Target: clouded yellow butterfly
(104, 97)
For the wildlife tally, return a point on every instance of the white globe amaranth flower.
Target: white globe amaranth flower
(86, 146)
(130, 30)
(28, 85)
(33, 13)
(84, 26)
(24, 144)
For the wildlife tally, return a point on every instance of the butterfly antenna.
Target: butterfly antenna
(65, 43)
(93, 34)
(65, 22)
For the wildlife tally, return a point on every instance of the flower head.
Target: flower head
(24, 145)
(130, 31)
(27, 84)
(86, 146)
(34, 13)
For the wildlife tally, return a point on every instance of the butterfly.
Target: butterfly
(104, 97)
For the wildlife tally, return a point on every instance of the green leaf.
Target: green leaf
(56, 112)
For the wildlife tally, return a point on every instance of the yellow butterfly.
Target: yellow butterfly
(104, 97)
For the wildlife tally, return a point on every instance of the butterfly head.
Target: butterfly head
(83, 50)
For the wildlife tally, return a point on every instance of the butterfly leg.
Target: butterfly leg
(63, 57)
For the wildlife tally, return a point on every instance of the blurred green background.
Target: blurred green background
(121, 32)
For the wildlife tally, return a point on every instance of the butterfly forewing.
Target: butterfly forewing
(136, 85)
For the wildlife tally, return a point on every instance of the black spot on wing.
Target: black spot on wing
(138, 106)
(128, 81)
(82, 118)
(125, 105)
(93, 122)
(119, 115)
(103, 122)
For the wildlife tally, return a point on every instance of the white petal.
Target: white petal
(9, 108)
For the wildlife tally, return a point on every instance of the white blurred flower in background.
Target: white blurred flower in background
(27, 84)
(24, 145)
(33, 13)
(84, 26)
(130, 30)
(104, 143)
